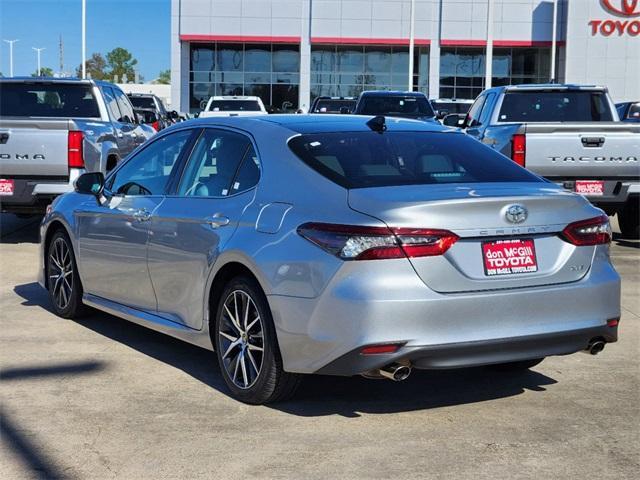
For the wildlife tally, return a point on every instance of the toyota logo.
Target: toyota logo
(622, 8)
(515, 214)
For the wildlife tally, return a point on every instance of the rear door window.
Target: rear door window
(112, 104)
(214, 163)
(61, 100)
(555, 106)
(369, 159)
(125, 107)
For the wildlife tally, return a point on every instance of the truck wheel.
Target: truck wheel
(629, 219)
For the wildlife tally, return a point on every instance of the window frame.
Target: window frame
(177, 169)
(186, 158)
(118, 92)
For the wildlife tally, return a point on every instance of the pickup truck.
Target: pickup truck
(233, 106)
(53, 130)
(391, 103)
(569, 134)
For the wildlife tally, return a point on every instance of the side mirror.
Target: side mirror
(174, 115)
(442, 113)
(90, 183)
(454, 120)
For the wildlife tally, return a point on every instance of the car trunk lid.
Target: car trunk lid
(476, 213)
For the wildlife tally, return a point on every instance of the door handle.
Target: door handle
(142, 215)
(217, 220)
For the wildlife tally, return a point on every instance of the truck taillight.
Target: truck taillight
(350, 242)
(594, 231)
(75, 155)
(519, 148)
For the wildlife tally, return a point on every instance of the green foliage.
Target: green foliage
(44, 72)
(121, 63)
(96, 67)
(164, 77)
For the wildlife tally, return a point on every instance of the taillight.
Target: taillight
(594, 231)
(374, 243)
(519, 148)
(75, 156)
(156, 126)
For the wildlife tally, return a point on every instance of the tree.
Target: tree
(164, 77)
(44, 72)
(96, 66)
(121, 63)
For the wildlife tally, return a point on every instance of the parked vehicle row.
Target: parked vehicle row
(53, 130)
(148, 102)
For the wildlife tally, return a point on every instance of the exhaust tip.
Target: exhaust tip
(596, 347)
(395, 372)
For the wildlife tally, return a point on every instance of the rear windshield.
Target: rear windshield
(452, 107)
(558, 106)
(143, 102)
(47, 100)
(234, 106)
(370, 159)
(396, 106)
(333, 106)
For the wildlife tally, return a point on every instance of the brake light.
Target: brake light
(156, 126)
(75, 155)
(519, 148)
(594, 231)
(350, 242)
(381, 349)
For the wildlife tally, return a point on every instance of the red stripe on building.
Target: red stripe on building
(239, 38)
(366, 41)
(499, 43)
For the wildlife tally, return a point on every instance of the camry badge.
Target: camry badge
(515, 213)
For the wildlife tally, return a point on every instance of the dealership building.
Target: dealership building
(290, 51)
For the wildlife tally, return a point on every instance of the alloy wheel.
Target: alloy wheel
(241, 339)
(60, 271)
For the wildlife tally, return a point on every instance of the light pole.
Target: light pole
(488, 62)
(554, 41)
(11, 42)
(84, 38)
(39, 71)
(412, 17)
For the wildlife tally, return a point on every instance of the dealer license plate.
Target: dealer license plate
(6, 187)
(590, 187)
(506, 257)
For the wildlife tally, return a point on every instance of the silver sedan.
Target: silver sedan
(338, 245)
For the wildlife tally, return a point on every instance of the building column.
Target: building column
(179, 62)
(304, 94)
(434, 54)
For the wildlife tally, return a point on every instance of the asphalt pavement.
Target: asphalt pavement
(101, 398)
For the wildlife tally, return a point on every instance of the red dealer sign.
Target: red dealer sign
(627, 24)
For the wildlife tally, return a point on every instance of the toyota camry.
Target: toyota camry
(334, 244)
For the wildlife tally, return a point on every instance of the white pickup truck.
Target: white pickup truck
(53, 130)
(569, 134)
(233, 106)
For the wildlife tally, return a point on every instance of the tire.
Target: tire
(629, 219)
(65, 288)
(247, 347)
(517, 366)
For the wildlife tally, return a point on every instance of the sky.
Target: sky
(141, 26)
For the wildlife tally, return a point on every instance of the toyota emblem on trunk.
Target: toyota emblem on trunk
(515, 213)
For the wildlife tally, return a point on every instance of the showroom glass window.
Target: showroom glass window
(269, 71)
(347, 70)
(462, 70)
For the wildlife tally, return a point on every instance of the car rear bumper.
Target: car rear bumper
(32, 195)
(388, 303)
(615, 195)
(485, 352)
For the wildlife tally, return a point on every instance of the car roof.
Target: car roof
(383, 93)
(318, 123)
(66, 80)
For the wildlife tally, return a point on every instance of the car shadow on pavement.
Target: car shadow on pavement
(318, 395)
(19, 230)
(625, 242)
(18, 440)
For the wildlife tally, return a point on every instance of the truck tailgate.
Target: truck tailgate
(602, 150)
(34, 147)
